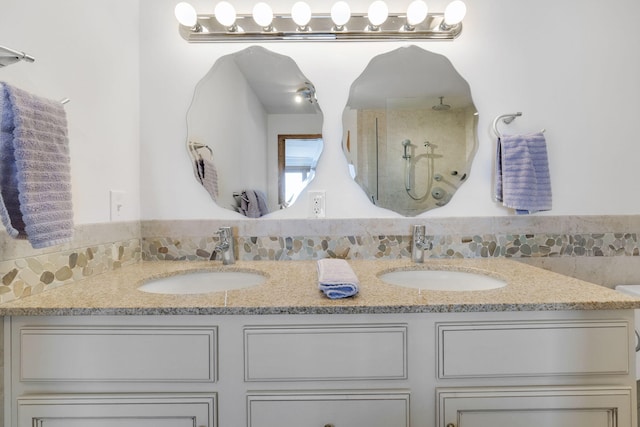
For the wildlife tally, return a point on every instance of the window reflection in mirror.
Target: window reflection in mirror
(297, 160)
(239, 109)
(410, 130)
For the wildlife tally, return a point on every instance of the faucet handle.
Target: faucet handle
(224, 233)
(419, 243)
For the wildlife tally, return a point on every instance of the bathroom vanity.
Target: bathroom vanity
(543, 350)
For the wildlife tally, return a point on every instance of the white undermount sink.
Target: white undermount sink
(203, 282)
(442, 280)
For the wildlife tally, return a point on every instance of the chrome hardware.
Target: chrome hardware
(420, 244)
(225, 247)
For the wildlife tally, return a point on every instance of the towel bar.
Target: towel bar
(506, 118)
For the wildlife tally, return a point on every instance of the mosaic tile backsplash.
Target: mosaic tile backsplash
(392, 247)
(24, 271)
(22, 277)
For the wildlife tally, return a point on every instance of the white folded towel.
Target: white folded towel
(336, 278)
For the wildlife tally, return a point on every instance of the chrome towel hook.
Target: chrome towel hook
(506, 118)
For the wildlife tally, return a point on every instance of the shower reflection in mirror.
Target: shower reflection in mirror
(412, 163)
(410, 130)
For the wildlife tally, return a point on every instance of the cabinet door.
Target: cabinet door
(117, 411)
(535, 407)
(349, 409)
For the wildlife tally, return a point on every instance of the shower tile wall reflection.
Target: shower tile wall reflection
(421, 156)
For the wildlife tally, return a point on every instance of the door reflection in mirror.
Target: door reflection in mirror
(297, 160)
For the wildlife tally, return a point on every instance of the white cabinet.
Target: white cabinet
(117, 411)
(572, 368)
(535, 407)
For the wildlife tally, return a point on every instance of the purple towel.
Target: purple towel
(522, 173)
(208, 176)
(253, 204)
(35, 176)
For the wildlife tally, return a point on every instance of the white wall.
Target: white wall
(88, 52)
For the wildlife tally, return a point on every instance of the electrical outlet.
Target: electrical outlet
(317, 204)
(117, 204)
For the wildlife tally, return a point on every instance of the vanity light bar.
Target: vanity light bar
(243, 28)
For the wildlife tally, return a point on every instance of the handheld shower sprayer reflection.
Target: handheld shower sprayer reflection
(406, 144)
(410, 164)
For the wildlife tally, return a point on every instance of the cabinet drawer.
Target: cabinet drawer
(496, 349)
(344, 409)
(535, 407)
(133, 354)
(333, 352)
(117, 411)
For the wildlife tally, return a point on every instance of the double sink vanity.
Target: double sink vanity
(264, 347)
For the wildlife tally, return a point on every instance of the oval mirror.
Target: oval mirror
(410, 130)
(254, 131)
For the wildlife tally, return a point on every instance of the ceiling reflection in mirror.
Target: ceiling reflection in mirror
(239, 113)
(410, 130)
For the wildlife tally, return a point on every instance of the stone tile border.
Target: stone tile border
(392, 247)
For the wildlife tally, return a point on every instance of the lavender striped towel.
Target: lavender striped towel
(35, 177)
(522, 173)
(208, 176)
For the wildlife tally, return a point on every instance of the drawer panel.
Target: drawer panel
(535, 407)
(495, 349)
(129, 354)
(332, 352)
(345, 409)
(132, 410)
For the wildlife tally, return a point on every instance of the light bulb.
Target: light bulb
(454, 13)
(186, 14)
(378, 13)
(262, 14)
(301, 14)
(417, 12)
(225, 14)
(340, 13)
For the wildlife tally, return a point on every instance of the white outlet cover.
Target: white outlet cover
(317, 204)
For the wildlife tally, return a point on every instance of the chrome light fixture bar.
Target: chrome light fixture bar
(376, 25)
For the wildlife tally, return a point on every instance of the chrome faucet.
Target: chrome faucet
(225, 247)
(420, 244)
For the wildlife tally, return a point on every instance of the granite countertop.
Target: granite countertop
(291, 288)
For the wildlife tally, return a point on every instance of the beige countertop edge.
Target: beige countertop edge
(291, 288)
